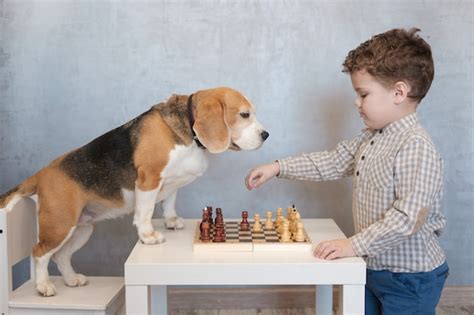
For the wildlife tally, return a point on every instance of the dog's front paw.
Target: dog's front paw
(46, 288)
(174, 223)
(153, 238)
(76, 280)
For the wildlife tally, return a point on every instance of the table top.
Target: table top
(174, 262)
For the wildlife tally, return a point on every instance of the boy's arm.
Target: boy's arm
(418, 181)
(324, 165)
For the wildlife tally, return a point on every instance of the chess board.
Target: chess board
(248, 241)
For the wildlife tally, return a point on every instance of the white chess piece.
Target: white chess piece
(288, 213)
(279, 217)
(299, 236)
(269, 222)
(285, 235)
(257, 226)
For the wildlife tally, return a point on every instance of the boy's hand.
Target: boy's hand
(334, 249)
(261, 174)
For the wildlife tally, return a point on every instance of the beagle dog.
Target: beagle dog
(130, 169)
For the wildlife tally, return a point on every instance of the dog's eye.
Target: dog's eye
(245, 115)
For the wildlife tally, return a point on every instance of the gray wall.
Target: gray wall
(70, 71)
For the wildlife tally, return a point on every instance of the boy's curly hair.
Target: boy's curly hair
(396, 55)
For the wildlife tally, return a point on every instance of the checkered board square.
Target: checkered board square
(238, 240)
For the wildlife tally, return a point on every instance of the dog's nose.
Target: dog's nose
(264, 135)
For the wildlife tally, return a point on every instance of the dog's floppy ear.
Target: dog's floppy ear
(210, 125)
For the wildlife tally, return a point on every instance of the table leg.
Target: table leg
(324, 299)
(137, 300)
(352, 299)
(159, 300)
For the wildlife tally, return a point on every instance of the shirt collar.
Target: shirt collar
(401, 124)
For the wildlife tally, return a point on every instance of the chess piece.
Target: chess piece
(219, 217)
(205, 217)
(295, 217)
(288, 213)
(205, 232)
(280, 227)
(210, 220)
(293, 224)
(279, 217)
(299, 235)
(257, 226)
(219, 235)
(219, 220)
(244, 225)
(269, 222)
(285, 235)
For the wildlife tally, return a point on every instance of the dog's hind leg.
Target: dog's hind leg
(42, 253)
(60, 202)
(63, 257)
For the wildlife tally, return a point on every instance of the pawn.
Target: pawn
(285, 235)
(244, 225)
(299, 236)
(257, 226)
(269, 222)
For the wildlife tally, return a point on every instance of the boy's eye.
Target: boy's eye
(363, 95)
(245, 115)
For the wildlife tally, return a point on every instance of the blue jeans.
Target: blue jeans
(400, 293)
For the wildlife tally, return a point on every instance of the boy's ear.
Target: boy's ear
(400, 92)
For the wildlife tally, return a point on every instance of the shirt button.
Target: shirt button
(357, 173)
(363, 157)
(371, 142)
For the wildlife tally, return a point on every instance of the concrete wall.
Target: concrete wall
(70, 71)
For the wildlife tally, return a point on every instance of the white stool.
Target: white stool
(101, 296)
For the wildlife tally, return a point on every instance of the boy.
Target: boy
(397, 177)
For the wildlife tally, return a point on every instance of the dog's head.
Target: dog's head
(225, 119)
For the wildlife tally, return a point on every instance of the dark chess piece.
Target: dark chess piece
(210, 220)
(219, 235)
(219, 217)
(205, 217)
(244, 225)
(205, 232)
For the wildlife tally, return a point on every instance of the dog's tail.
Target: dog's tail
(25, 189)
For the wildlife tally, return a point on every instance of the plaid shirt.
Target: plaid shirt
(397, 188)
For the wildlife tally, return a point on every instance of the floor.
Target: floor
(442, 310)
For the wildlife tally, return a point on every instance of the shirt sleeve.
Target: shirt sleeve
(417, 182)
(324, 165)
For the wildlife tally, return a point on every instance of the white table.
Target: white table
(150, 268)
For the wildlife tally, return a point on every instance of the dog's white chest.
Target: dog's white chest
(184, 165)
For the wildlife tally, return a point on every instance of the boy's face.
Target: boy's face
(375, 103)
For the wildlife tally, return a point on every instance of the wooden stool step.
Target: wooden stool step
(101, 296)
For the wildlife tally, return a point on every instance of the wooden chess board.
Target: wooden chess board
(237, 240)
